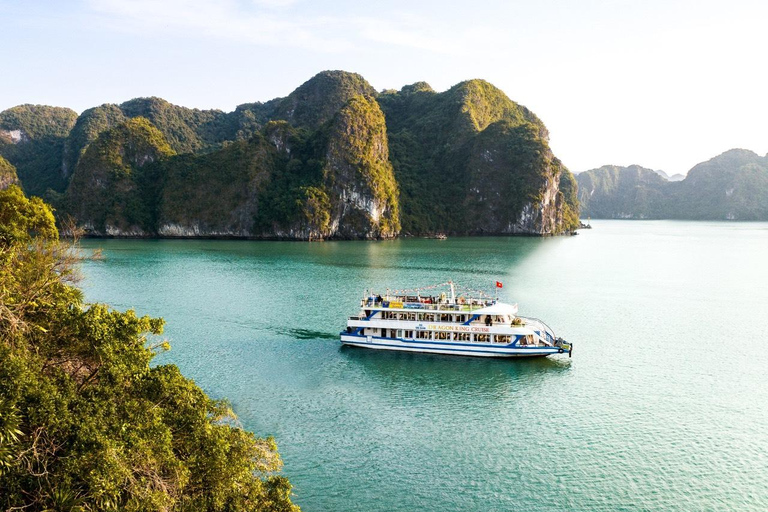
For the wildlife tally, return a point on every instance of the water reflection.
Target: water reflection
(479, 374)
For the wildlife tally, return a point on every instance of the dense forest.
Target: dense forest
(333, 159)
(86, 423)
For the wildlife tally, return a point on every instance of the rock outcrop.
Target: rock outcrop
(358, 176)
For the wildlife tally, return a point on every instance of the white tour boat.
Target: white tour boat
(451, 322)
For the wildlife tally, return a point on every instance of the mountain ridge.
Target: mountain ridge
(729, 186)
(337, 159)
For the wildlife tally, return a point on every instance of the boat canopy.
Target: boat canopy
(500, 308)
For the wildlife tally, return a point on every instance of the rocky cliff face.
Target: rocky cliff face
(358, 176)
(514, 185)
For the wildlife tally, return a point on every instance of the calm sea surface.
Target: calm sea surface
(664, 405)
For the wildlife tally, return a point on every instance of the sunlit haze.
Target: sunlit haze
(663, 84)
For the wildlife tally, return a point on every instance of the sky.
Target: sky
(663, 84)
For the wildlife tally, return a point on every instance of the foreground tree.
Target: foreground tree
(85, 423)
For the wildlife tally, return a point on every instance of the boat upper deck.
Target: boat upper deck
(425, 303)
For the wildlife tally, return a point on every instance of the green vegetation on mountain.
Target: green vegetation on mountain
(332, 159)
(569, 188)
(731, 186)
(8, 174)
(622, 192)
(216, 193)
(187, 130)
(89, 125)
(32, 138)
(317, 100)
(86, 423)
(248, 119)
(437, 141)
(292, 204)
(288, 182)
(112, 185)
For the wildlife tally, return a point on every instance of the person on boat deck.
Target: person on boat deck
(488, 320)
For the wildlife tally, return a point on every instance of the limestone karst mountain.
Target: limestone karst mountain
(334, 159)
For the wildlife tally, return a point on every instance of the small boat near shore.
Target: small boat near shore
(449, 320)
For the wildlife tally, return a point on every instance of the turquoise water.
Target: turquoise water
(664, 405)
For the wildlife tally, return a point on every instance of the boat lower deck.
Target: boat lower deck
(452, 348)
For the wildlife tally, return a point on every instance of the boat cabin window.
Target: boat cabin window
(526, 340)
(461, 336)
(408, 335)
(441, 335)
(481, 338)
(501, 338)
(424, 335)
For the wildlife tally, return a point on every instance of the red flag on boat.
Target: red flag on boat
(499, 285)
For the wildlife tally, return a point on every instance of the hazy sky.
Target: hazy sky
(664, 84)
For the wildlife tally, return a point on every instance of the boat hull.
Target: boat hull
(449, 348)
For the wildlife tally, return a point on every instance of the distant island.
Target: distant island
(730, 186)
(333, 159)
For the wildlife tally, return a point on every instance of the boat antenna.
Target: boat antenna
(453, 293)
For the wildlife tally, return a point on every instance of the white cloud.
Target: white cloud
(223, 19)
(275, 3)
(261, 22)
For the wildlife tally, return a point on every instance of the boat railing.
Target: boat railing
(549, 334)
(423, 306)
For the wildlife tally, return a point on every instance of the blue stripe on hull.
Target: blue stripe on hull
(361, 341)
